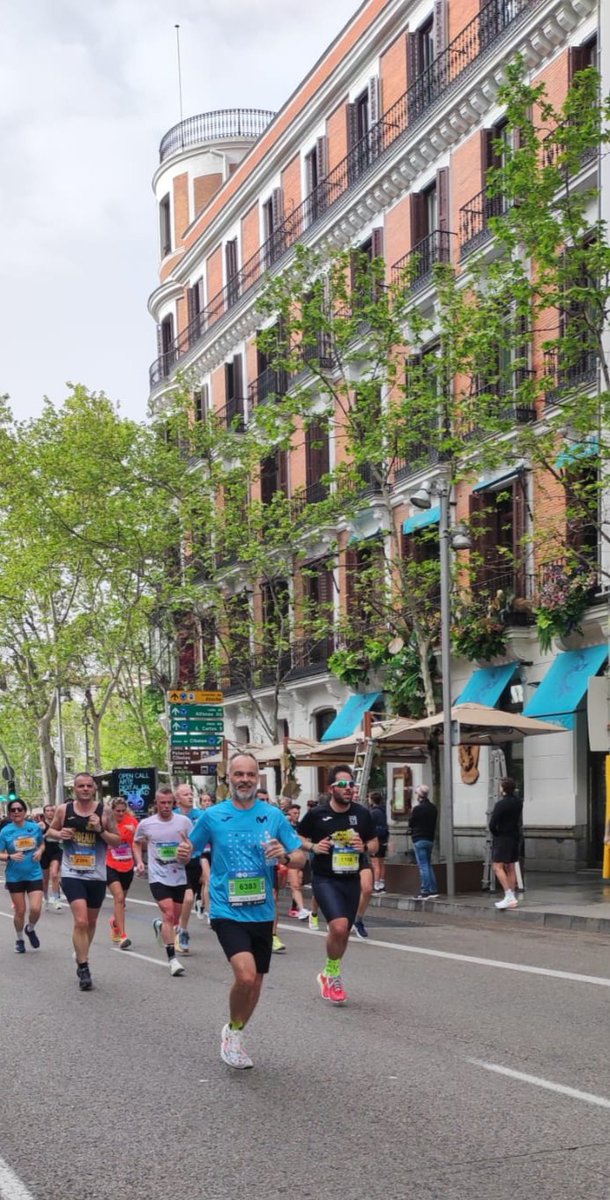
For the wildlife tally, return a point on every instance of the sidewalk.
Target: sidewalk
(579, 902)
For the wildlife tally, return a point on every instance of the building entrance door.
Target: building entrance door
(596, 809)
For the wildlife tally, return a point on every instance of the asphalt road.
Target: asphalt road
(121, 1092)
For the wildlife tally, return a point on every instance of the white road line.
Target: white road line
(11, 1187)
(547, 1084)
(158, 962)
(495, 963)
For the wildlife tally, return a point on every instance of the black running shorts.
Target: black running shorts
(337, 896)
(246, 937)
(163, 891)
(24, 885)
(125, 878)
(193, 875)
(92, 891)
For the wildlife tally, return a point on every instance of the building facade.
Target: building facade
(384, 147)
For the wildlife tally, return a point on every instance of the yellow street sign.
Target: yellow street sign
(187, 697)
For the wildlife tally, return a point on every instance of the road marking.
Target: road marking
(11, 1187)
(547, 1084)
(496, 963)
(145, 957)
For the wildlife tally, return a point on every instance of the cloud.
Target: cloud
(88, 91)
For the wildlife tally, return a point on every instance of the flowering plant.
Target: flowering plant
(562, 601)
(479, 630)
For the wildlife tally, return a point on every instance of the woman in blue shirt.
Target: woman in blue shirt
(21, 848)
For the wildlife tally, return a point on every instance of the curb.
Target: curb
(540, 919)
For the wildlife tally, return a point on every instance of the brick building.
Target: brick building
(385, 147)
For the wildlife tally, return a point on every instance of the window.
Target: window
(201, 403)
(499, 524)
(430, 237)
(274, 475)
(165, 226)
(317, 461)
(316, 170)
(276, 628)
(273, 212)
(231, 272)
(167, 341)
(365, 286)
(582, 513)
(234, 408)
(317, 613)
(364, 587)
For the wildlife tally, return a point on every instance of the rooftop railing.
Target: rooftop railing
(480, 33)
(219, 126)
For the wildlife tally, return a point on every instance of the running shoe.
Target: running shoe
(199, 910)
(314, 921)
(85, 981)
(433, 896)
(115, 933)
(182, 942)
(56, 904)
(32, 937)
(232, 1051)
(303, 914)
(422, 896)
(332, 988)
(360, 928)
(157, 925)
(293, 911)
(20, 946)
(175, 968)
(379, 887)
(277, 947)
(509, 901)
(125, 942)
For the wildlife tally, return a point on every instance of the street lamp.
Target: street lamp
(456, 539)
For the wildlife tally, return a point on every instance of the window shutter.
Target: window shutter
(578, 59)
(310, 182)
(487, 140)
(322, 157)
(442, 193)
(200, 294)
(231, 259)
(190, 304)
(238, 386)
(160, 347)
(352, 126)
(201, 402)
(413, 58)
(519, 531)
(282, 471)
(417, 204)
(277, 208)
(377, 240)
(440, 26)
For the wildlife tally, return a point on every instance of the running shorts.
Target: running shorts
(246, 937)
(52, 852)
(24, 885)
(193, 874)
(163, 891)
(91, 890)
(337, 897)
(125, 878)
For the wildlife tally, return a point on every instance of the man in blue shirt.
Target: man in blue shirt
(247, 837)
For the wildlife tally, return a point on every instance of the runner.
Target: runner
(85, 829)
(164, 833)
(119, 869)
(21, 847)
(202, 907)
(247, 835)
(366, 891)
(185, 805)
(338, 833)
(50, 863)
(295, 875)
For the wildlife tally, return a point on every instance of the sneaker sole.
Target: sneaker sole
(125, 944)
(236, 1066)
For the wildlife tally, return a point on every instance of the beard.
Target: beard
(243, 792)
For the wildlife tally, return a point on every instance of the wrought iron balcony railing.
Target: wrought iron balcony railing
(421, 455)
(232, 415)
(415, 268)
(314, 493)
(579, 371)
(474, 220)
(478, 36)
(271, 383)
(220, 126)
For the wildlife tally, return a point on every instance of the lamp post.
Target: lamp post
(456, 539)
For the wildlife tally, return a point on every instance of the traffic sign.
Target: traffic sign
(212, 711)
(196, 739)
(181, 726)
(188, 757)
(194, 697)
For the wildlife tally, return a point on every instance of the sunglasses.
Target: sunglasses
(343, 783)
(17, 809)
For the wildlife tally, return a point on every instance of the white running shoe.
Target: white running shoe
(175, 967)
(232, 1051)
(303, 914)
(509, 901)
(56, 904)
(157, 925)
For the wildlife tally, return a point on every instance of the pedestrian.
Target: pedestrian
(422, 823)
(164, 835)
(21, 848)
(505, 829)
(377, 806)
(85, 829)
(120, 868)
(338, 834)
(202, 905)
(247, 837)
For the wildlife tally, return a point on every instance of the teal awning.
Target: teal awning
(350, 717)
(578, 451)
(486, 685)
(488, 482)
(565, 685)
(422, 519)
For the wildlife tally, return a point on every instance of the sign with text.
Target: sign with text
(137, 784)
(194, 697)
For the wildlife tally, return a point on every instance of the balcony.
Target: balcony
(519, 588)
(501, 403)
(310, 655)
(459, 56)
(421, 455)
(416, 267)
(314, 493)
(474, 220)
(568, 376)
(270, 384)
(223, 125)
(553, 150)
(232, 416)
(370, 476)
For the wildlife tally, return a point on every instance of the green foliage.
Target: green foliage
(479, 628)
(562, 601)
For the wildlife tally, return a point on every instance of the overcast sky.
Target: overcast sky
(88, 89)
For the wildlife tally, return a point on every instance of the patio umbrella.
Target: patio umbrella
(479, 725)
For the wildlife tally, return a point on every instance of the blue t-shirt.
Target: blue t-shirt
(26, 838)
(241, 879)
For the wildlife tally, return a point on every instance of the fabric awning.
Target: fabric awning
(565, 685)
(422, 519)
(491, 482)
(486, 685)
(578, 451)
(350, 716)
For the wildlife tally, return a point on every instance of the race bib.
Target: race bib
(23, 844)
(345, 862)
(247, 889)
(167, 852)
(82, 862)
(122, 852)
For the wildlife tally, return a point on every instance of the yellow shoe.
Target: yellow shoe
(277, 947)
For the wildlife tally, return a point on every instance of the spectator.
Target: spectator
(505, 829)
(423, 820)
(378, 813)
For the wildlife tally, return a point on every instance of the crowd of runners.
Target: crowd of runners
(226, 861)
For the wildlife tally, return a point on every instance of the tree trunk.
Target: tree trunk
(46, 752)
